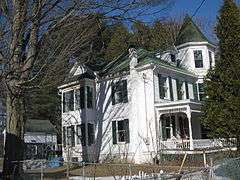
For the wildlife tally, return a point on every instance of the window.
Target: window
(64, 136)
(173, 57)
(195, 92)
(210, 59)
(186, 89)
(201, 91)
(119, 92)
(198, 58)
(79, 134)
(70, 136)
(68, 100)
(91, 135)
(163, 87)
(180, 91)
(170, 88)
(168, 127)
(120, 131)
(82, 97)
(89, 97)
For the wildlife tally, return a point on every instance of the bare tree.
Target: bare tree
(33, 49)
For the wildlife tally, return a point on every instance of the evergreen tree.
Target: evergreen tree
(222, 84)
(119, 41)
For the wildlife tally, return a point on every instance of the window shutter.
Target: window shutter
(82, 97)
(164, 135)
(126, 127)
(114, 133)
(124, 91)
(83, 132)
(64, 136)
(161, 88)
(89, 97)
(178, 89)
(187, 92)
(72, 136)
(195, 91)
(64, 102)
(171, 88)
(90, 134)
(113, 94)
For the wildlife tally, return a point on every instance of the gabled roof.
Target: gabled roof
(190, 32)
(121, 64)
(39, 126)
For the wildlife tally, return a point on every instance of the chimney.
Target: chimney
(133, 58)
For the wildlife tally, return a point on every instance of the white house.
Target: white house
(140, 103)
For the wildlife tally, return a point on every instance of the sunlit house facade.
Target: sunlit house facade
(139, 104)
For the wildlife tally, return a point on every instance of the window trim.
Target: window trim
(115, 135)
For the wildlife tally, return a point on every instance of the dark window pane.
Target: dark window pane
(82, 97)
(91, 134)
(89, 97)
(83, 132)
(173, 57)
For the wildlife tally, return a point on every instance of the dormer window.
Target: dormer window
(198, 58)
(173, 58)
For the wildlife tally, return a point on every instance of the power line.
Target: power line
(203, 1)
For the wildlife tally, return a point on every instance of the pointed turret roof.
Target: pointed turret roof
(190, 32)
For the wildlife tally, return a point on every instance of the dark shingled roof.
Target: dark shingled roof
(36, 125)
(190, 32)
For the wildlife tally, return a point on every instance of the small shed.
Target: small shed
(40, 139)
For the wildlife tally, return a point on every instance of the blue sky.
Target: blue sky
(208, 12)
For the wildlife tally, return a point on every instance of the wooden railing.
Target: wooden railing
(198, 144)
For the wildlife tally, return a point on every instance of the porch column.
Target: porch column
(189, 116)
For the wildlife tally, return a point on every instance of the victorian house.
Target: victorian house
(139, 104)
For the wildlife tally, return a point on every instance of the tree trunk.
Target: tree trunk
(12, 168)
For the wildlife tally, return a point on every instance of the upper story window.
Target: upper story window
(78, 99)
(163, 87)
(210, 59)
(68, 101)
(120, 131)
(201, 91)
(195, 91)
(119, 92)
(198, 59)
(180, 90)
(89, 97)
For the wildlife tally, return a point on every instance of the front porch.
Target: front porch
(179, 128)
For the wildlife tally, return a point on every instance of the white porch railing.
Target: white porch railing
(198, 144)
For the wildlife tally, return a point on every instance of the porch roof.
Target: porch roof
(179, 106)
